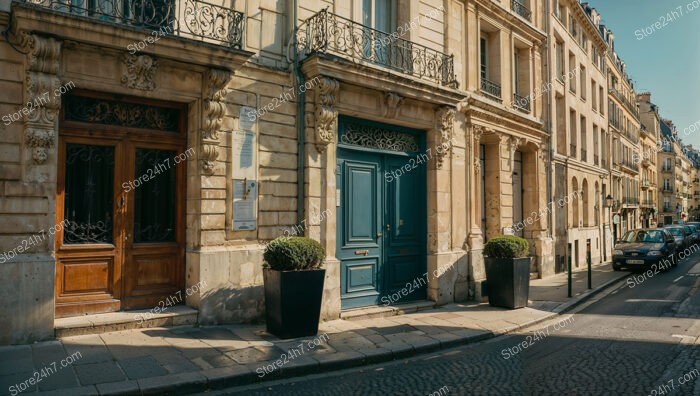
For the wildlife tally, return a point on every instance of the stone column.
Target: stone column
(477, 273)
(320, 183)
(440, 288)
(544, 245)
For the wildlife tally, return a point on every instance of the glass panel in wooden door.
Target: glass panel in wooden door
(154, 259)
(87, 257)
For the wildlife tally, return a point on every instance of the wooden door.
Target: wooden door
(120, 199)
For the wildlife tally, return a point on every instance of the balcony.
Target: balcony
(191, 19)
(646, 184)
(631, 165)
(646, 162)
(666, 169)
(647, 203)
(520, 9)
(584, 155)
(572, 150)
(631, 201)
(630, 106)
(491, 89)
(667, 190)
(327, 33)
(521, 103)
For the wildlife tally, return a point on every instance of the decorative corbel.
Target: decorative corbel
(213, 110)
(392, 102)
(445, 119)
(513, 144)
(326, 125)
(41, 86)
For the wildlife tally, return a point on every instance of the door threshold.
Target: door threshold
(383, 311)
(125, 320)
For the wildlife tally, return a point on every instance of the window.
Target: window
(601, 99)
(584, 139)
(559, 61)
(484, 58)
(572, 72)
(573, 132)
(594, 98)
(583, 82)
(557, 9)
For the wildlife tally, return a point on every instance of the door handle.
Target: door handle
(380, 234)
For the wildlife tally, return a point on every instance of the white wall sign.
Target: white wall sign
(245, 202)
(247, 117)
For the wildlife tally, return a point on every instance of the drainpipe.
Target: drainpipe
(301, 115)
(550, 170)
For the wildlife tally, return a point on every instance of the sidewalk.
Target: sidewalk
(192, 359)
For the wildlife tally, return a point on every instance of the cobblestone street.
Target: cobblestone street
(628, 342)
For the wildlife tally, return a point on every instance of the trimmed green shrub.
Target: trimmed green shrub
(507, 247)
(294, 254)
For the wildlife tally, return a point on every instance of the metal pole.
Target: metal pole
(590, 272)
(569, 269)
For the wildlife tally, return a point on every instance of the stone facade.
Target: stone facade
(523, 148)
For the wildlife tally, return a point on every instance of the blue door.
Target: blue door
(381, 224)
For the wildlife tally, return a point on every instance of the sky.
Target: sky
(665, 60)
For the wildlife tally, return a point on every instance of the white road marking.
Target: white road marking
(677, 279)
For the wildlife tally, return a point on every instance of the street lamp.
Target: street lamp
(609, 201)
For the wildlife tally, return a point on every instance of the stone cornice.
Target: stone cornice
(476, 107)
(374, 77)
(111, 35)
(573, 164)
(590, 27)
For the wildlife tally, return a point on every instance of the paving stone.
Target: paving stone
(219, 361)
(90, 347)
(142, 367)
(63, 378)
(130, 387)
(257, 354)
(19, 382)
(16, 359)
(175, 363)
(224, 377)
(183, 383)
(97, 373)
(44, 354)
(88, 390)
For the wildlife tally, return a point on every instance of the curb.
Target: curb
(227, 377)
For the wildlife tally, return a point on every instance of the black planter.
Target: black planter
(293, 302)
(508, 281)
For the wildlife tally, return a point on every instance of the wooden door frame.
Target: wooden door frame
(124, 140)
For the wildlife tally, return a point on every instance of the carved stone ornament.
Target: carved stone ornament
(477, 166)
(42, 94)
(544, 151)
(445, 119)
(139, 72)
(392, 102)
(326, 115)
(213, 111)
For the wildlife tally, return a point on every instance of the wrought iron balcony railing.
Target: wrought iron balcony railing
(522, 10)
(584, 155)
(332, 34)
(572, 150)
(491, 89)
(521, 102)
(192, 19)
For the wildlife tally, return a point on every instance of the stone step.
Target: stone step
(385, 311)
(177, 315)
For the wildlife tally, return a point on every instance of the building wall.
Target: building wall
(576, 83)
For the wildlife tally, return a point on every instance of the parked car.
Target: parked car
(644, 248)
(696, 224)
(681, 235)
(693, 231)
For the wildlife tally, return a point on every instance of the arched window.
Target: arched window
(586, 208)
(574, 199)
